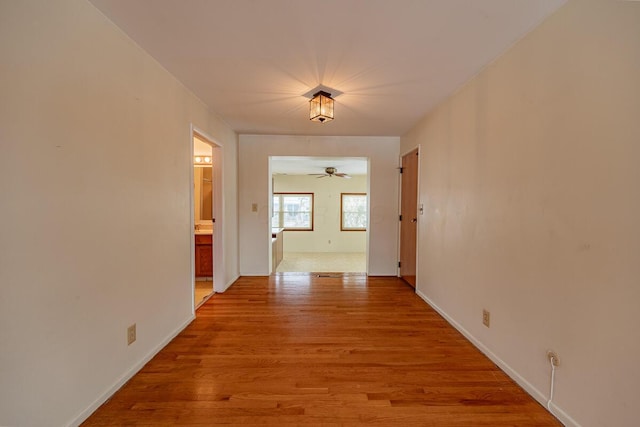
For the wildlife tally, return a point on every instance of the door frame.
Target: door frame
(218, 212)
(368, 192)
(419, 206)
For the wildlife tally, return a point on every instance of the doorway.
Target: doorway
(319, 212)
(206, 199)
(408, 216)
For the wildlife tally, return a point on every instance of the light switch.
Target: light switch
(254, 207)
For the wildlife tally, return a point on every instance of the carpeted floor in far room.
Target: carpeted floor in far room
(318, 262)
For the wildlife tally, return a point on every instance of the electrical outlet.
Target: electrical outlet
(552, 357)
(254, 207)
(486, 317)
(131, 334)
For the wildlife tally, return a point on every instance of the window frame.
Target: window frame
(342, 227)
(281, 212)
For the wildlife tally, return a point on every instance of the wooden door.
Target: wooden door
(409, 216)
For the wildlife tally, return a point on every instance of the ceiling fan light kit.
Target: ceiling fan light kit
(331, 172)
(321, 107)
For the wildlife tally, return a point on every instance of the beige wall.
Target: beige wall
(95, 230)
(254, 183)
(530, 181)
(326, 235)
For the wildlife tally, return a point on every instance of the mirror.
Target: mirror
(203, 193)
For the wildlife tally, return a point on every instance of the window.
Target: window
(292, 211)
(353, 211)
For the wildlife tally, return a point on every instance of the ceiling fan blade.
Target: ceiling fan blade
(323, 176)
(343, 175)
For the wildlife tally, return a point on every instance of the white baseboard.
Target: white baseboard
(80, 418)
(229, 283)
(562, 416)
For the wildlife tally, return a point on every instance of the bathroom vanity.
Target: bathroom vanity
(204, 255)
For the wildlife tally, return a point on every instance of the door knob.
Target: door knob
(414, 220)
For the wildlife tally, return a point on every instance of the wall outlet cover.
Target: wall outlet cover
(486, 318)
(131, 334)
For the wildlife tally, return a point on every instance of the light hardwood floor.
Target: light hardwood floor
(305, 350)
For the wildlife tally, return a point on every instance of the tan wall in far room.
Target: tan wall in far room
(326, 235)
(254, 184)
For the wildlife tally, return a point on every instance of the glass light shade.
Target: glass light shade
(202, 160)
(321, 107)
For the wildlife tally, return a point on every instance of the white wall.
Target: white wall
(530, 183)
(326, 235)
(228, 225)
(254, 183)
(94, 204)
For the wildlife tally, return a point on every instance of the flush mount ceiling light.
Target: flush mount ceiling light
(321, 101)
(321, 107)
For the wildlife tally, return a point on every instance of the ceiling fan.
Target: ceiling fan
(331, 172)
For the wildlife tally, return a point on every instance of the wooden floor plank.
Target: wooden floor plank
(304, 350)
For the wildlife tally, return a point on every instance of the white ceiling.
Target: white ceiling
(251, 60)
(306, 165)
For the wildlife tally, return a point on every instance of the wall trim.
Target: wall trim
(229, 283)
(561, 415)
(82, 416)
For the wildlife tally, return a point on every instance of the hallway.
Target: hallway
(301, 349)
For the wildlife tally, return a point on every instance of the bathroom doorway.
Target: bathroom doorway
(206, 200)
